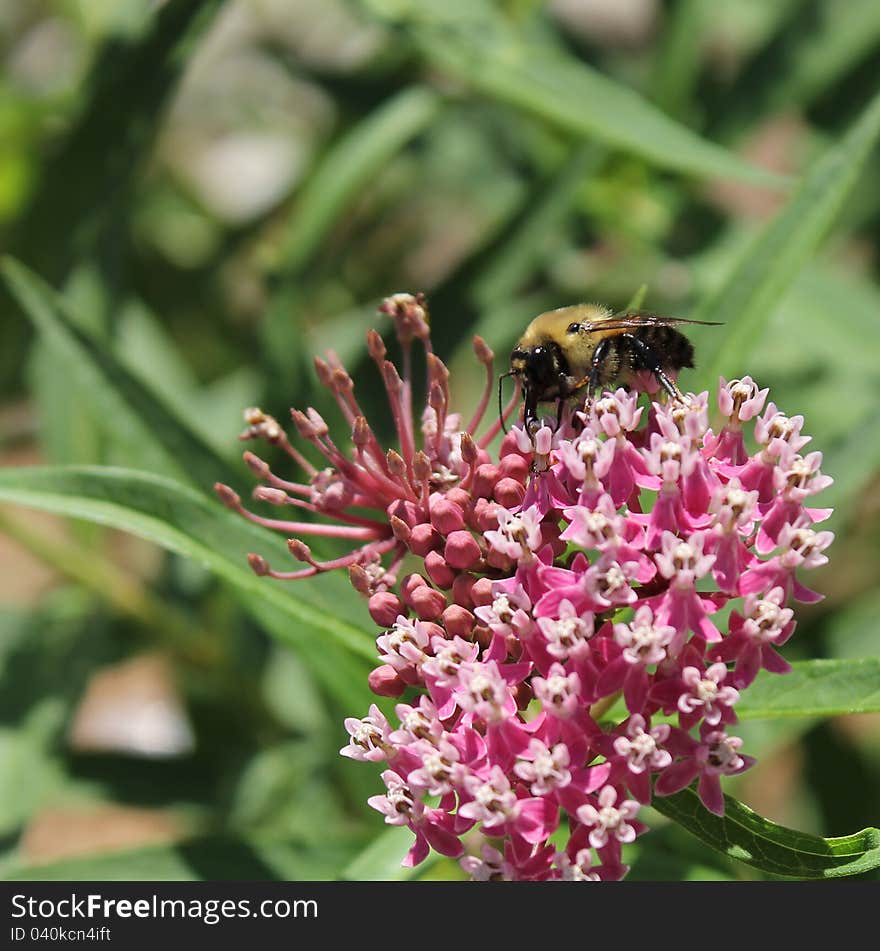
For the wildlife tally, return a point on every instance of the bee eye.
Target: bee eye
(574, 328)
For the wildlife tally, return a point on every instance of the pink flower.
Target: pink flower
(567, 635)
(644, 643)
(764, 625)
(700, 695)
(518, 536)
(715, 755)
(483, 692)
(638, 752)
(370, 740)
(403, 647)
(490, 867)
(609, 818)
(544, 769)
(588, 559)
(559, 693)
(497, 807)
(683, 563)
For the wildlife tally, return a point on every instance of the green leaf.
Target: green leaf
(470, 42)
(748, 837)
(831, 48)
(815, 688)
(136, 415)
(515, 261)
(305, 615)
(669, 854)
(89, 177)
(380, 860)
(758, 282)
(209, 859)
(679, 56)
(349, 166)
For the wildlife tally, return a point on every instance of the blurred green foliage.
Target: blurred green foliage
(217, 190)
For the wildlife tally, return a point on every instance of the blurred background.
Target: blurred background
(220, 190)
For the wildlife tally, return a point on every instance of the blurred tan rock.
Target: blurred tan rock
(626, 23)
(133, 707)
(775, 145)
(65, 833)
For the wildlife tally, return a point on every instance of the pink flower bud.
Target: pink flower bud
(509, 493)
(446, 517)
(407, 511)
(375, 346)
(384, 608)
(265, 493)
(385, 681)
(481, 592)
(462, 590)
(260, 469)
(484, 481)
(428, 603)
(485, 515)
(458, 621)
(424, 539)
(227, 496)
(409, 585)
(514, 466)
(462, 551)
(438, 570)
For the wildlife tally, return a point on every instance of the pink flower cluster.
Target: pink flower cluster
(555, 639)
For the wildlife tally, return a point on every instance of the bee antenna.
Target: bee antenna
(501, 379)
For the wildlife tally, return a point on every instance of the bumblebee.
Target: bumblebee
(564, 351)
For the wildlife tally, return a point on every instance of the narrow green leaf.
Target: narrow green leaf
(86, 180)
(209, 859)
(638, 298)
(680, 56)
(670, 854)
(471, 42)
(844, 36)
(748, 837)
(815, 688)
(350, 165)
(380, 860)
(347, 168)
(136, 415)
(304, 615)
(760, 279)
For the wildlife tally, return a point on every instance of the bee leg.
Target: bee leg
(560, 406)
(530, 412)
(649, 360)
(591, 380)
(599, 355)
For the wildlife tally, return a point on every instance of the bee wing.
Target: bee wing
(633, 319)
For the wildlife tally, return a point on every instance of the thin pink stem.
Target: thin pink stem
(311, 528)
(293, 575)
(393, 387)
(407, 389)
(297, 456)
(355, 556)
(337, 514)
(480, 411)
(394, 489)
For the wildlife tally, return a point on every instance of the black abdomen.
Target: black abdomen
(672, 349)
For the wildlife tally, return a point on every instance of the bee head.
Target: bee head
(539, 366)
